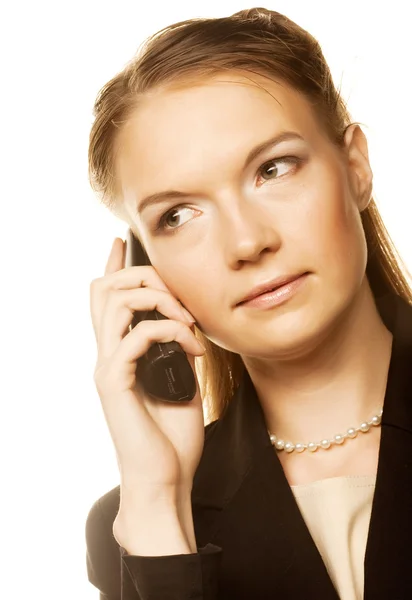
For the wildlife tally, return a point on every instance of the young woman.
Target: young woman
(228, 151)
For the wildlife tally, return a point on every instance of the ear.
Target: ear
(359, 169)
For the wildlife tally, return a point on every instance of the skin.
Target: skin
(319, 361)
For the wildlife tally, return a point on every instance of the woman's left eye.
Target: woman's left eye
(294, 160)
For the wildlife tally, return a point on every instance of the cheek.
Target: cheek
(200, 291)
(191, 285)
(336, 240)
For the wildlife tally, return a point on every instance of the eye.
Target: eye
(294, 160)
(164, 221)
(165, 224)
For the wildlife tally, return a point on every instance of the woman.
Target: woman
(226, 148)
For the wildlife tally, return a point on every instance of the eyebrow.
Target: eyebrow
(168, 194)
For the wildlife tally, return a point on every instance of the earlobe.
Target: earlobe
(360, 172)
(365, 202)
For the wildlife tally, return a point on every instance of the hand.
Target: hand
(158, 444)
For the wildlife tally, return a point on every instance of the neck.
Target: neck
(339, 383)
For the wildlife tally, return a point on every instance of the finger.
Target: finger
(134, 277)
(126, 279)
(146, 333)
(120, 306)
(116, 257)
(140, 276)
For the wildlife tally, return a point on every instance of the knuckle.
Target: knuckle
(95, 283)
(113, 299)
(183, 326)
(96, 288)
(93, 287)
(99, 369)
(103, 375)
(143, 328)
(98, 377)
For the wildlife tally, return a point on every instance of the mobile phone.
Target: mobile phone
(164, 370)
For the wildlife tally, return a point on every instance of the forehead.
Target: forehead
(209, 120)
(222, 100)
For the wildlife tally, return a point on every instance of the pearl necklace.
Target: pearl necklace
(337, 439)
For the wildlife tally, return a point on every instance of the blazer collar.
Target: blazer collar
(238, 457)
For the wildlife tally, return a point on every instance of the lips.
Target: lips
(269, 286)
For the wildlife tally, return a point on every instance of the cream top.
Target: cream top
(337, 513)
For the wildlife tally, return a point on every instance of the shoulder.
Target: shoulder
(210, 428)
(103, 512)
(102, 549)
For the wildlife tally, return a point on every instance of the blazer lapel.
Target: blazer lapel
(242, 500)
(388, 557)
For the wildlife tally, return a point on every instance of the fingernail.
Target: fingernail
(201, 346)
(188, 315)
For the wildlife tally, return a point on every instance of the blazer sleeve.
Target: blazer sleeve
(122, 576)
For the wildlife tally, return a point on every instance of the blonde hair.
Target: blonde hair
(258, 41)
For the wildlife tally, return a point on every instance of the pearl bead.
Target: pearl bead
(352, 432)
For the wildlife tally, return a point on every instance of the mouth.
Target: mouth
(270, 286)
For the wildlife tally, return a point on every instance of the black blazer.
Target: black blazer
(253, 543)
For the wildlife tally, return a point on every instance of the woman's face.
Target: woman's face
(293, 208)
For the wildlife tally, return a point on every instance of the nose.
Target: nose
(247, 233)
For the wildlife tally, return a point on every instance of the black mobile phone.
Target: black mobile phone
(164, 370)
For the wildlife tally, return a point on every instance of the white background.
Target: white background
(57, 456)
